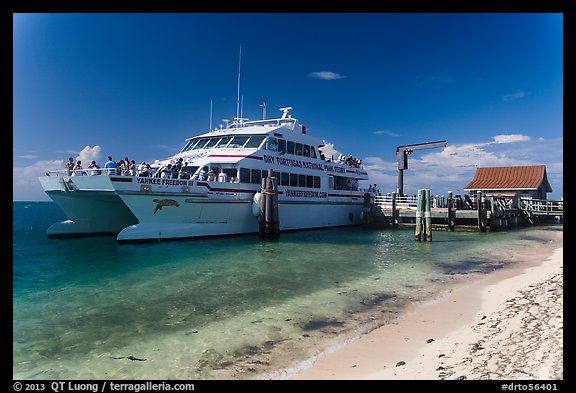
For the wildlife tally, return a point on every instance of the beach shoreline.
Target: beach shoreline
(505, 325)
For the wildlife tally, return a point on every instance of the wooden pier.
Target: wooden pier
(456, 214)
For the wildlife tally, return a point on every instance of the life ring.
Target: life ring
(256, 204)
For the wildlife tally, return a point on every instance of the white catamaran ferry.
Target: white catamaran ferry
(220, 195)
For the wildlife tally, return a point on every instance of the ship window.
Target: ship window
(277, 176)
(255, 141)
(298, 149)
(301, 180)
(312, 152)
(284, 179)
(256, 176)
(316, 181)
(282, 146)
(310, 181)
(200, 144)
(211, 142)
(237, 141)
(290, 147)
(223, 142)
(306, 150)
(244, 175)
(293, 180)
(272, 144)
(231, 173)
(185, 148)
(331, 182)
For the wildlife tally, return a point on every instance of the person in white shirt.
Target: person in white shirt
(222, 177)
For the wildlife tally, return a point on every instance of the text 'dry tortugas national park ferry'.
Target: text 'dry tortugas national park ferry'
(221, 192)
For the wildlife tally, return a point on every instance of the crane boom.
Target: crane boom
(402, 153)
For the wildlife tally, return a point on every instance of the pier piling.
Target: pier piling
(269, 224)
(428, 217)
(450, 212)
(481, 212)
(419, 211)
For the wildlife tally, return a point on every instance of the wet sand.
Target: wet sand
(506, 325)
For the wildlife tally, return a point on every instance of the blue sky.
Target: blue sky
(137, 85)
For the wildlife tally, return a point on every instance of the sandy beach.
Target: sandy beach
(506, 325)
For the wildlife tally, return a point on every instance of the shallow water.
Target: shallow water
(233, 307)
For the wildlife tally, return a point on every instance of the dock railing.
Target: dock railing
(542, 206)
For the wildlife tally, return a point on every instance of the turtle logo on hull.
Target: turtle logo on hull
(164, 202)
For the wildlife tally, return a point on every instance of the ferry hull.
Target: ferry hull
(180, 217)
(91, 205)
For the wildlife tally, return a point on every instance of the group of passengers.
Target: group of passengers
(209, 175)
(76, 169)
(350, 161)
(126, 167)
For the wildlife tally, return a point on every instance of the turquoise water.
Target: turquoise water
(233, 307)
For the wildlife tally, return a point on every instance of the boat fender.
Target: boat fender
(256, 204)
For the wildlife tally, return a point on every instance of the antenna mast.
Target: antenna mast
(238, 96)
(263, 105)
(210, 115)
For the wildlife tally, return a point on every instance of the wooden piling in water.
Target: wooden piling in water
(394, 211)
(428, 216)
(419, 211)
(450, 212)
(269, 224)
(481, 212)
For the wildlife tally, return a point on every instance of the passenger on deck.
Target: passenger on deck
(69, 166)
(94, 169)
(202, 173)
(142, 172)
(184, 172)
(166, 173)
(210, 175)
(132, 168)
(111, 165)
(222, 176)
(77, 171)
(354, 185)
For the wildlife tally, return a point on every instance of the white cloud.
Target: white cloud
(88, 154)
(510, 138)
(28, 157)
(453, 167)
(386, 132)
(26, 186)
(326, 75)
(513, 96)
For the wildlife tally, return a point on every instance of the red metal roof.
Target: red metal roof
(510, 177)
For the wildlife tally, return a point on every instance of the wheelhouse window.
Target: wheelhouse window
(200, 144)
(306, 150)
(255, 141)
(290, 147)
(238, 141)
(187, 147)
(223, 142)
(212, 142)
